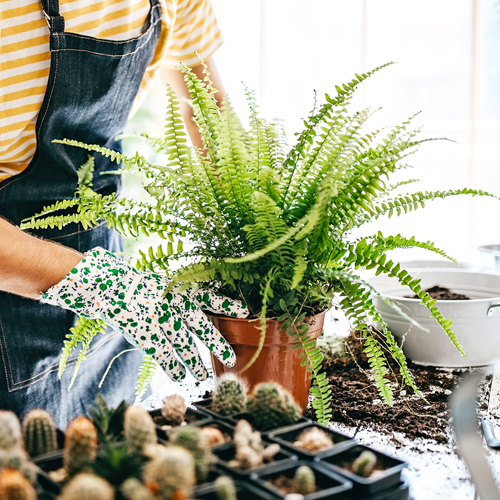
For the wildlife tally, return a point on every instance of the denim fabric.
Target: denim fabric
(91, 88)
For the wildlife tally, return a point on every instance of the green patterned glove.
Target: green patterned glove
(134, 303)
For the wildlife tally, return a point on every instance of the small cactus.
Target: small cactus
(14, 486)
(10, 431)
(174, 410)
(314, 439)
(363, 465)
(86, 486)
(250, 452)
(17, 459)
(224, 488)
(213, 436)
(170, 474)
(271, 406)
(192, 439)
(80, 446)
(133, 489)
(39, 432)
(306, 481)
(230, 395)
(139, 430)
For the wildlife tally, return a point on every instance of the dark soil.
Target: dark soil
(442, 293)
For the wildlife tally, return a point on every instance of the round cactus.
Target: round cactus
(363, 465)
(10, 431)
(139, 430)
(17, 459)
(225, 489)
(314, 439)
(80, 446)
(87, 487)
(194, 440)
(174, 410)
(39, 432)
(170, 473)
(133, 489)
(272, 406)
(230, 395)
(14, 486)
(306, 481)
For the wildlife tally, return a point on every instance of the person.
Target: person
(77, 70)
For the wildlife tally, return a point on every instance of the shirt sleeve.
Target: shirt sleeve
(195, 30)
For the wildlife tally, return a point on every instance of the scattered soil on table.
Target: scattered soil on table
(442, 293)
(356, 402)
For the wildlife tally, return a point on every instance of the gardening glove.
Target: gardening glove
(105, 287)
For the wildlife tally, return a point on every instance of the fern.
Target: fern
(145, 375)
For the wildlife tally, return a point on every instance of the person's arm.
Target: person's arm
(29, 266)
(176, 79)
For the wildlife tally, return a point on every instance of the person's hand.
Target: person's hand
(135, 303)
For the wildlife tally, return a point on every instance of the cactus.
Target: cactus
(10, 431)
(314, 439)
(272, 406)
(39, 432)
(224, 488)
(230, 395)
(250, 452)
(306, 481)
(363, 465)
(80, 446)
(174, 410)
(86, 486)
(192, 439)
(18, 459)
(14, 486)
(213, 436)
(139, 430)
(170, 474)
(133, 489)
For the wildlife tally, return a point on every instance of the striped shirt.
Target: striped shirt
(187, 26)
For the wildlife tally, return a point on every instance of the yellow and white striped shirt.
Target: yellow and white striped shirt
(187, 26)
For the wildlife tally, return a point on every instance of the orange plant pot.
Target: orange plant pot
(277, 362)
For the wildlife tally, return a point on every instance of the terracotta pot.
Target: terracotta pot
(277, 361)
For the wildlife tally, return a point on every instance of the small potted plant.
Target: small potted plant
(272, 224)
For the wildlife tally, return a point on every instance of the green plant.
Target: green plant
(139, 430)
(39, 433)
(272, 224)
(306, 481)
(108, 421)
(363, 465)
(272, 406)
(86, 486)
(10, 431)
(225, 489)
(229, 395)
(80, 446)
(133, 489)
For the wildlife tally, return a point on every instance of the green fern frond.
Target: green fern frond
(145, 376)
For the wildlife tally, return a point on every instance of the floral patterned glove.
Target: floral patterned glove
(134, 303)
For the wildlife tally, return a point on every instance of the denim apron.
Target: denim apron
(91, 87)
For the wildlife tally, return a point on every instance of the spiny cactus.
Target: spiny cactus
(18, 459)
(86, 486)
(250, 452)
(80, 446)
(170, 474)
(10, 431)
(39, 432)
(14, 486)
(314, 439)
(139, 430)
(271, 406)
(133, 489)
(224, 488)
(230, 395)
(306, 481)
(192, 439)
(213, 436)
(363, 465)
(174, 410)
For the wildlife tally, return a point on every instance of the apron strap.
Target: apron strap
(52, 16)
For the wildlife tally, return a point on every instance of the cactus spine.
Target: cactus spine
(10, 431)
(86, 486)
(192, 439)
(39, 432)
(80, 447)
(170, 474)
(271, 406)
(314, 439)
(363, 465)
(133, 489)
(230, 395)
(225, 489)
(174, 410)
(139, 430)
(306, 481)
(14, 486)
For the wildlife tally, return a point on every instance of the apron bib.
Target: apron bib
(91, 88)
